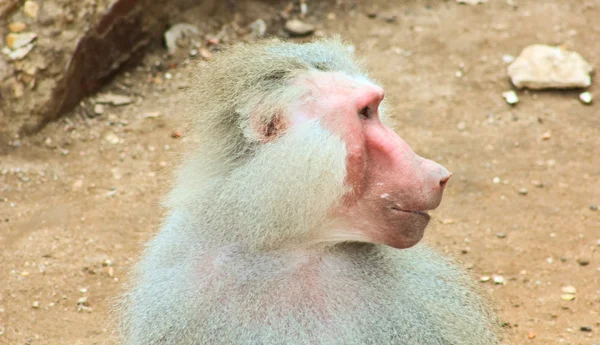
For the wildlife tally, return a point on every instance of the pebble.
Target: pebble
(507, 58)
(593, 207)
(496, 180)
(585, 329)
(35, 304)
(31, 9)
(546, 136)
(510, 97)
(112, 138)
(17, 26)
(569, 289)
(484, 279)
(297, 27)
(499, 280)
(583, 262)
(523, 191)
(471, 2)
(567, 297)
(205, 54)
(586, 97)
(500, 235)
(19, 40)
(176, 34)
(113, 99)
(549, 67)
(537, 183)
(258, 28)
(461, 126)
(531, 334)
(98, 109)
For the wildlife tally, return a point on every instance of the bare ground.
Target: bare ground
(73, 201)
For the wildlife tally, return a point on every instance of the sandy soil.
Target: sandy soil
(70, 200)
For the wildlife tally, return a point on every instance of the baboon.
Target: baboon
(296, 217)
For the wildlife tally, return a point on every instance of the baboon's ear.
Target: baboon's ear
(267, 129)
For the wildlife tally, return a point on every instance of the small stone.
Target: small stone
(547, 67)
(499, 280)
(81, 308)
(83, 301)
(25, 274)
(593, 207)
(586, 97)
(112, 138)
(110, 271)
(205, 54)
(35, 304)
(297, 27)
(510, 97)
(113, 99)
(537, 183)
(550, 260)
(77, 185)
(176, 36)
(500, 235)
(258, 28)
(83, 290)
(471, 2)
(546, 136)
(176, 134)
(583, 262)
(17, 26)
(461, 126)
(585, 329)
(151, 115)
(569, 289)
(496, 180)
(331, 16)
(107, 263)
(531, 335)
(19, 40)
(567, 297)
(448, 221)
(31, 9)
(485, 279)
(507, 58)
(523, 191)
(98, 109)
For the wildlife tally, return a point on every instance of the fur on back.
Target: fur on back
(217, 272)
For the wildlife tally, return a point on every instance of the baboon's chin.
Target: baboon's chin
(406, 229)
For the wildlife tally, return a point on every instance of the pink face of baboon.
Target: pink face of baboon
(391, 186)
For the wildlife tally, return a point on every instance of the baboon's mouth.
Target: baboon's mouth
(417, 212)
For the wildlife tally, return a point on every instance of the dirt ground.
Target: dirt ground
(72, 197)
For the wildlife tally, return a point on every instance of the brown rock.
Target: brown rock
(77, 61)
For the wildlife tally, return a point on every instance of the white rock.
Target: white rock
(19, 53)
(299, 28)
(548, 67)
(510, 97)
(586, 97)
